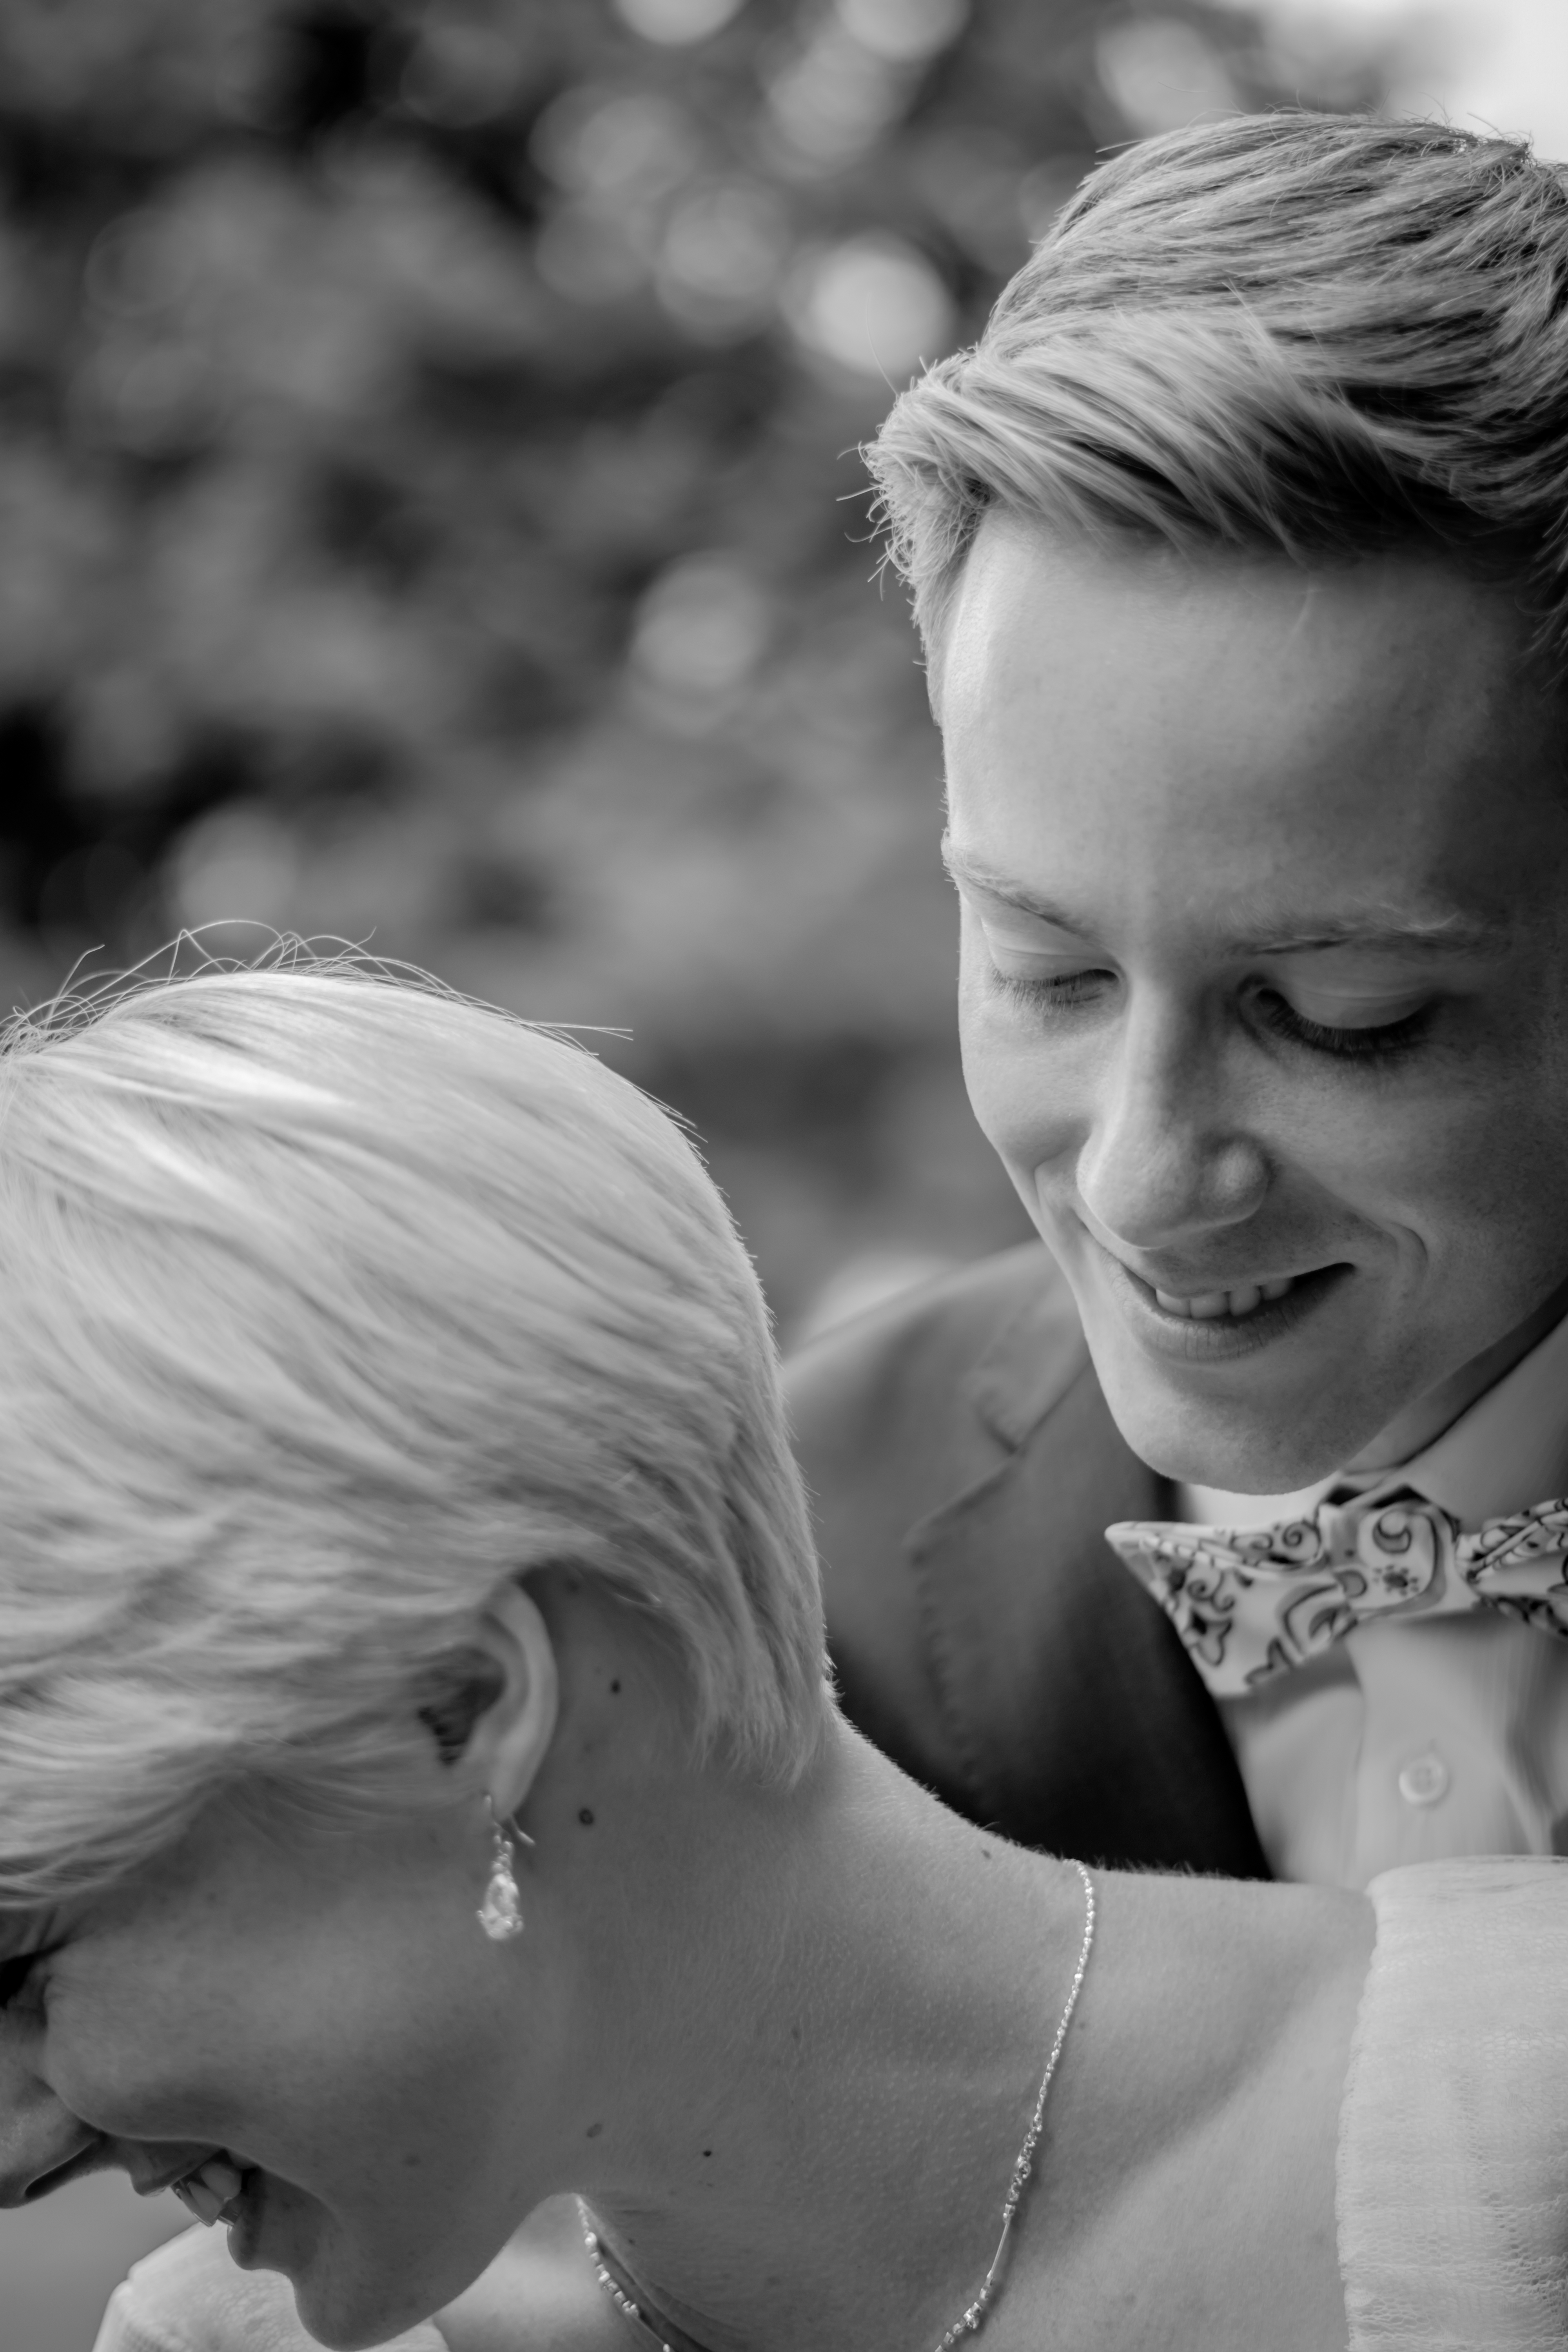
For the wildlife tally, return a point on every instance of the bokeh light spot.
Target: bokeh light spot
(1162, 74)
(585, 257)
(701, 628)
(137, 266)
(834, 99)
(724, 253)
(903, 31)
(460, 73)
(873, 304)
(673, 23)
(631, 143)
(238, 865)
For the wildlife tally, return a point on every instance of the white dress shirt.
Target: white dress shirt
(1417, 1739)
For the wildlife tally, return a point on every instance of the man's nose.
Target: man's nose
(1168, 1157)
(38, 2136)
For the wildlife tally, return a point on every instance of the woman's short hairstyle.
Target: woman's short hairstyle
(329, 1303)
(1317, 335)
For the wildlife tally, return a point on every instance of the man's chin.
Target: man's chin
(1239, 1448)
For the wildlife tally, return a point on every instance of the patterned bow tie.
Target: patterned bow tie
(1253, 1603)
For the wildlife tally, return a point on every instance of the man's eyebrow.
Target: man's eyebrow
(1377, 931)
(979, 876)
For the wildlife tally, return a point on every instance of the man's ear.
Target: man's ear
(516, 1690)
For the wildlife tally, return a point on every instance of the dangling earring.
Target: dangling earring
(501, 1913)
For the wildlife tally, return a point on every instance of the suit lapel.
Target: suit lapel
(1077, 1720)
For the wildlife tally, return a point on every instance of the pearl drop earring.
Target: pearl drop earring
(501, 1913)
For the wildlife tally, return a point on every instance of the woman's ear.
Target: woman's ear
(516, 1723)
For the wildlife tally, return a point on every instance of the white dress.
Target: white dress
(1453, 2154)
(1453, 2149)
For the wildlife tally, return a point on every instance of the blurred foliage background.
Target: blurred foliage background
(428, 515)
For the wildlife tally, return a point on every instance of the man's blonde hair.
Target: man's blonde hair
(1319, 335)
(329, 1303)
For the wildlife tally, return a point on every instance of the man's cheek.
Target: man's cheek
(989, 1075)
(1010, 1075)
(1000, 1110)
(1460, 1176)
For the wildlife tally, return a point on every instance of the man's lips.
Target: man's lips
(1208, 1298)
(1194, 1319)
(1204, 1293)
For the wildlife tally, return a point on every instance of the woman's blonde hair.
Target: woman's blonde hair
(328, 1304)
(1318, 335)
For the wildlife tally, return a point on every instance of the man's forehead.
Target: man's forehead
(1278, 924)
(1224, 750)
(1022, 571)
(1077, 652)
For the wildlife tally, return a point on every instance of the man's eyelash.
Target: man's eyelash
(1064, 991)
(1391, 1037)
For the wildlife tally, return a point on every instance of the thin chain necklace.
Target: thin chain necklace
(655, 2329)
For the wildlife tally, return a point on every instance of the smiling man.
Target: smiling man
(1237, 550)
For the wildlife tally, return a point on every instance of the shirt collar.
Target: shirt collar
(1507, 1452)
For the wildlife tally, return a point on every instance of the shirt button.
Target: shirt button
(1425, 1780)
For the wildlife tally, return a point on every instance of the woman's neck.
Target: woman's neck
(839, 2047)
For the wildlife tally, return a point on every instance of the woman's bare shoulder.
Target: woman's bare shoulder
(1195, 2117)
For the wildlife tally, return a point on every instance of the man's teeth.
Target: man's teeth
(209, 2188)
(1210, 1304)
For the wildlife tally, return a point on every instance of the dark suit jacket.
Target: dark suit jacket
(962, 1465)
